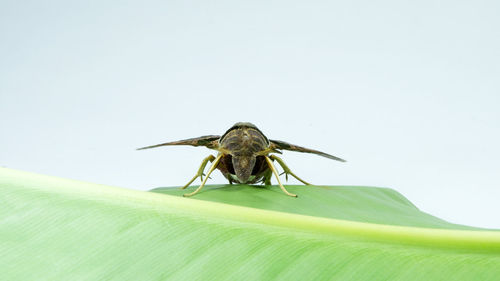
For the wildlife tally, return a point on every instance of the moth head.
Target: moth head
(243, 166)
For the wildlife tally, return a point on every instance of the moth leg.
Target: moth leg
(212, 168)
(273, 169)
(267, 177)
(200, 170)
(287, 170)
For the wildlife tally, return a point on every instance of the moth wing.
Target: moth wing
(211, 141)
(276, 144)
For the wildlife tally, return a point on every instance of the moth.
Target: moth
(245, 155)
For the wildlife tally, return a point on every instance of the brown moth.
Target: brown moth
(244, 156)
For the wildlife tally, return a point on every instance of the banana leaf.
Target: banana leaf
(60, 229)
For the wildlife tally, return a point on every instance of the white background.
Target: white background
(407, 91)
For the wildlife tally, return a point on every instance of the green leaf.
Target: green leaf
(58, 229)
(355, 203)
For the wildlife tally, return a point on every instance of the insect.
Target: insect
(244, 156)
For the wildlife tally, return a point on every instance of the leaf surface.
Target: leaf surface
(59, 229)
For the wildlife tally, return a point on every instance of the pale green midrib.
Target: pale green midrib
(479, 240)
